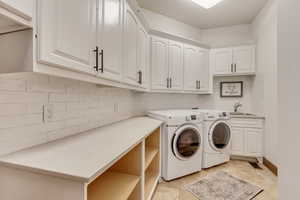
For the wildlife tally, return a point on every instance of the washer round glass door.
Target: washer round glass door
(220, 135)
(186, 142)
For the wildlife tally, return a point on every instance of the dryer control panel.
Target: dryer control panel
(194, 118)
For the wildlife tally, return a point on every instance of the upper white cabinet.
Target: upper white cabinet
(233, 61)
(244, 59)
(167, 65)
(175, 58)
(67, 34)
(191, 68)
(205, 77)
(177, 67)
(159, 64)
(104, 41)
(131, 47)
(110, 38)
(196, 69)
(143, 57)
(221, 61)
(136, 51)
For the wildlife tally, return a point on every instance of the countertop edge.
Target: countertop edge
(43, 171)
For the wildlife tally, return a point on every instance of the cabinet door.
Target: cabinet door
(191, 68)
(66, 35)
(159, 63)
(176, 65)
(244, 59)
(205, 76)
(110, 38)
(143, 58)
(253, 142)
(131, 46)
(19, 7)
(221, 60)
(237, 141)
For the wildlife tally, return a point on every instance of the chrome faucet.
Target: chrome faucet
(236, 106)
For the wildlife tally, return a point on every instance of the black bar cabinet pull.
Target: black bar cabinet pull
(102, 61)
(97, 59)
(167, 82)
(140, 81)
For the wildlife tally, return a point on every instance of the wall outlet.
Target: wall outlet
(116, 107)
(47, 113)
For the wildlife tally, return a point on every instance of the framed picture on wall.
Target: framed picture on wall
(232, 89)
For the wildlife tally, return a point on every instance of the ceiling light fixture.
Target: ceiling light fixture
(207, 3)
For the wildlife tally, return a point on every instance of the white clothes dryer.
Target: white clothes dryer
(217, 138)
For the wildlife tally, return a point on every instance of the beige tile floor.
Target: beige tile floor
(241, 169)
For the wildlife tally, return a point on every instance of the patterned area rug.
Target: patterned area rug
(222, 186)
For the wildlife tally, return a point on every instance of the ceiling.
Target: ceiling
(227, 13)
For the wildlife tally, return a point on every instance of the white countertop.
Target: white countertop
(85, 156)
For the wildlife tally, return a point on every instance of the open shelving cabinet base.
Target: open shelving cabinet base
(133, 177)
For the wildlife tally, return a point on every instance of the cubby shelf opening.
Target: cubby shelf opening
(122, 181)
(113, 186)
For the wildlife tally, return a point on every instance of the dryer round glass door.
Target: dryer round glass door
(186, 142)
(220, 136)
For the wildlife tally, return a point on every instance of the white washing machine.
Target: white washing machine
(182, 142)
(217, 138)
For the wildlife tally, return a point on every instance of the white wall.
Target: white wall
(227, 103)
(289, 98)
(216, 37)
(228, 36)
(265, 96)
(165, 24)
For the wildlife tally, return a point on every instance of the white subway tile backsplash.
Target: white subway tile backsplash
(20, 120)
(14, 139)
(23, 97)
(13, 109)
(77, 107)
(12, 85)
(54, 135)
